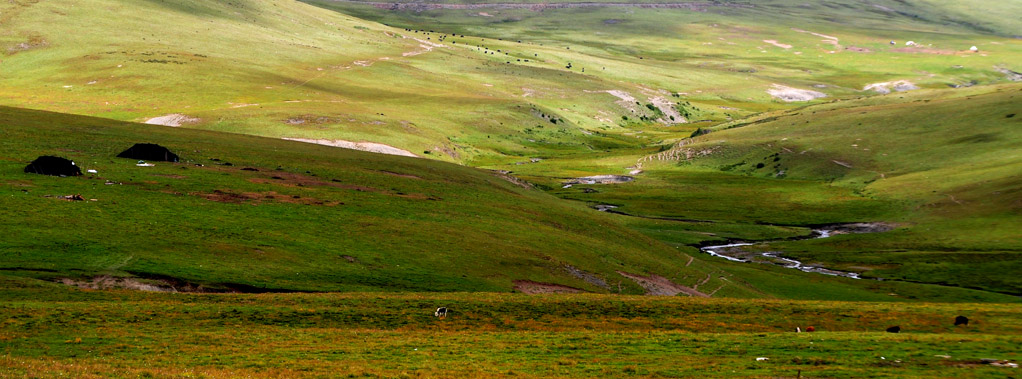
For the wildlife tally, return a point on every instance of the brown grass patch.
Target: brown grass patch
(227, 196)
(531, 287)
(923, 50)
(391, 173)
(288, 179)
(660, 286)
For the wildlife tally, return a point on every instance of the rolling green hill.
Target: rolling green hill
(507, 128)
(477, 90)
(253, 214)
(940, 166)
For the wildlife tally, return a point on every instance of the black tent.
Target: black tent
(50, 165)
(149, 152)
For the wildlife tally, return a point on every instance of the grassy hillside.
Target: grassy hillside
(286, 69)
(250, 214)
(941, 165)
(254, 214)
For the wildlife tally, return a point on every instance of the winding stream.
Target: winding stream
(729, 251)
(737, 255)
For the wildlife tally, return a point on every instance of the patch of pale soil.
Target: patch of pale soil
(778, 44)
(484, 14)
(671, 116)
(1012, 75)
(835, 39)
(425, 46)
(660, 286)
(371, 147)
(32, 43)
(531, 287)
(840, 163)
(826, 39)
(506, 175)
(242, 105)
(363, 63)
(174, 120)
(883, 8)
(587, 276)
(625, 99)
(601, 179)
(886, 87)
(790, 94)
(109, 282)
(862, 227)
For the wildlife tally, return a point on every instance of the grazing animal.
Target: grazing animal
(961, 320)
(440, 312)
(810, 329)
(894, 329)
(798, 330)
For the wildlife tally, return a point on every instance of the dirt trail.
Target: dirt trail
(660, 286)
(778, 44)
(425, 46)
(371, 147)
(826, 39)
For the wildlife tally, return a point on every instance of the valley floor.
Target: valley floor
(54, 331)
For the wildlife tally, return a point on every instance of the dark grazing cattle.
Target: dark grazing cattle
(894, 329)
(961, 320)
(149, 152)
(55, 166)
(440, 312)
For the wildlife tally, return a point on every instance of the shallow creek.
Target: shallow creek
(732, 252)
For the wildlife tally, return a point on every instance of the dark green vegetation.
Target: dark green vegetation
(271, 215)
(131, 334)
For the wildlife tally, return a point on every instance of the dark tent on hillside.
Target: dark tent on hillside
(149, 152)
(56, 166)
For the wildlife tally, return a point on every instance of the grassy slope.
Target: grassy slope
(942, 164)
(278, 69)
(496, 124)
(410, 224)
(52, 331)
(286, 69)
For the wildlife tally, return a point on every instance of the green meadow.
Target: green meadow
(756, 122)
(132, 334)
